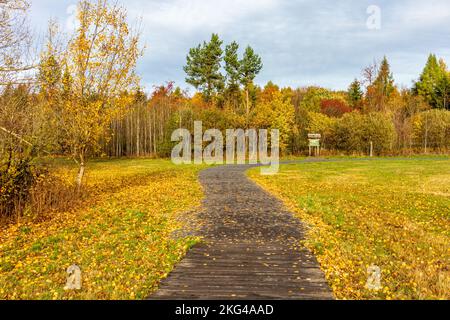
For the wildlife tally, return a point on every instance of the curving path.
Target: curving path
(251, 247)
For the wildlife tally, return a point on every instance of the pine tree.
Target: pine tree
(443, 92)
(233, 69)
(380, 91)
(251, 66)
(385, 79)
(355, 93)
(232, 64)
(203, 68)
(429, 79)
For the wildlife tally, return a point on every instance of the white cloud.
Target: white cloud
(420, 14)
(189, 15)
(301, 42)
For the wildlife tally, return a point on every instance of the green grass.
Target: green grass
(121, 236)
(393, 213)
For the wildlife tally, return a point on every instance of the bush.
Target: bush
(323, 124)
(380, 130)
(334, 108)
(432, 129)
(354, 132)
(17, 178)
(31, 191)
(275, 114)
(312, 97)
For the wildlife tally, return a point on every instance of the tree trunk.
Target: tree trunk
(426, 133)
(81, 172)
(138, 136)
(248, 106)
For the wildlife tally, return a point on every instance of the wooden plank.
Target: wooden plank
(251, 247)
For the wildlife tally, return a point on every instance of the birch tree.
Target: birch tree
(15, 115)
(15, 42)
(99, 70)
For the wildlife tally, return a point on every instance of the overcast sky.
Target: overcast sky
(301, 42)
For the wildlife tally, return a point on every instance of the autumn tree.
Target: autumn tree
(382, 87)
(443, 91)
(15, 123)
(379, 82)
(334, 108)
(319, 123)
(274, 112)
(15, 42)
(431, 129)
(310, 98)
(99, 68)
(203, 68)
(15, 110)
(408, 106)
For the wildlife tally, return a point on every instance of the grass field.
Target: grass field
(388, 212)
(394, 214)
(120, 236)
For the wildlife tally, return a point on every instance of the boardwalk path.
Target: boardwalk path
(250, 249)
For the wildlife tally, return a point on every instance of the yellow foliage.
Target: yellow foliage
(122, 239)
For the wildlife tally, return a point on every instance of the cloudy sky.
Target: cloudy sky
(302, 42)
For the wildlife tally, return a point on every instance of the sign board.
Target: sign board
(314, 136)
(314, 143)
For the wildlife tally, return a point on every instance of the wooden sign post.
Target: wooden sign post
(314, 144)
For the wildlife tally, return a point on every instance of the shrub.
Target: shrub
(431, 129)
(17, 178)
(31, 191)
(323, 124)
(380, 130)
(354, 132)
(334, 108)
(275, 114)
(312, 97)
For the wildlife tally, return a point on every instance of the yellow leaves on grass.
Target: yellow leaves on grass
(122, 241)
(383, 213)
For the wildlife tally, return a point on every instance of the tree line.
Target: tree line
(373, 109)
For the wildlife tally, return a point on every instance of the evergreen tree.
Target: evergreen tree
(429, 79)
(232, 65)
(203, 68)
(355, 93)
(385, 80)
(251, 66)
(380, 91)
(443, 92)
(233, 69)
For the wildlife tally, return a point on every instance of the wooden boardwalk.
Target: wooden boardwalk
(251, 247)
